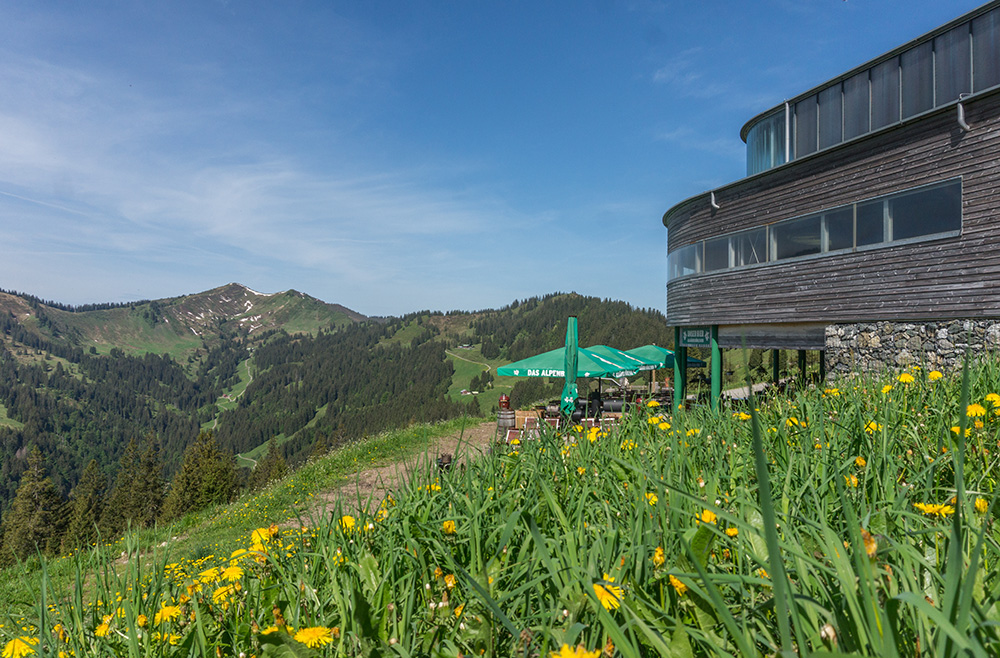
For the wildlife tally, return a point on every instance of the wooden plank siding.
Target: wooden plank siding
(957, 277)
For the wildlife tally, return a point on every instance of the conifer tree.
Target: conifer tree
(85, 508)
(207, 476)
(137, 496)
(272, 467)
(36, 514)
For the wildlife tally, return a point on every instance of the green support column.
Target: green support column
(680, 369)
(775, 366)
(716, 368)
(802, 366)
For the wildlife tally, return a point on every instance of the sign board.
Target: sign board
(696, 336)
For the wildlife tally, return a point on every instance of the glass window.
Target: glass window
(856, 110)
(885, 93)
(917, 79)
(871, 223)
(684, 261)
(925, 212)
(766, 144)
(750, 247)
(716, 254)
(952, 65)
(799, 237)
(831, 117)
(986, 50)
(805, 127)
(838, 229)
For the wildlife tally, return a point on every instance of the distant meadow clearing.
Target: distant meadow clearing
(857, 520)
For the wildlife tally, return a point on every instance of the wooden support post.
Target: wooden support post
(716, 368)
(775, 366)
(802, 366)
(680, 370)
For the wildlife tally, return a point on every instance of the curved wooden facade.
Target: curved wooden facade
(952, 277)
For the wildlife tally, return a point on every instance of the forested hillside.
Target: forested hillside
(123, 395)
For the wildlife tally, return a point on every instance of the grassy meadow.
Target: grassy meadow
(857, 520)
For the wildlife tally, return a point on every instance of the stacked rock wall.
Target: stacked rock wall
(878, 346)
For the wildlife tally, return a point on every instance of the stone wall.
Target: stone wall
(879, 346)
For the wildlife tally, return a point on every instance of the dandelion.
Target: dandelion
(872, 427)
(580, 470)
(313, 636)
(693, 432)
(450, 581)
(141, 621)
(706, 516)
(993, 399)
(579, 652)
(932, 509)
(956, 429)
(222, 594)
(982, 505)
(448, 527)
(628, 444)
(347, 523)
(609, 595)
(658, 557)
(166, 613)
(833, 392)
(794, 422)
(871, 544)
(860, 462)
(678, 585)
(664, 426)
(22, 646)
(732, 532)
(742, 415)
(459, 609)
(232, 573)
(905, 378)
(935, 375)
(975, 410)
(652, 403)
(103, 628)
(851, 479)
(886, 388)
(651, 498)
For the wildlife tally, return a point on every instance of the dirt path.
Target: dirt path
(368, 487)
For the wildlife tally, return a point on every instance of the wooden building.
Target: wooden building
(869, 199)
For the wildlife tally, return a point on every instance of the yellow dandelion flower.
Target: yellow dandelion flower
(208, 575)
(678, 585)
(102, 629)
(833, 392)
(905, 378)
(141, 621)
(706, 516)
(20, 646)
(166, 613)
(851, 479)
(982, 505)
(651, 498)
(975, 410)
(232, 573)
(580, 470)
(459, 609)
(935, 375)
(886, 388)
(448, 527)
(860, 462)
(314, 636)
(652, 403)
(932, 509)
(732, 532)
(742, 415)
(658, 557)
(579, 652)
(872, 427)
(653, 420)
(347, 523)
(956, 429)
(450, 581)
(664, 426)
(694, 432)
(794, 422)
(608, 594)
(222, 594)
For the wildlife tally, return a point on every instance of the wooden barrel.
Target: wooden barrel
(506, 419)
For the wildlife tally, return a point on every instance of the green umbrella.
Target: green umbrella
(568, 400)
(663, 356)
(641, 363)
(553, 364)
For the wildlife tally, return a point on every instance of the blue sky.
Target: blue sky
(390, 156)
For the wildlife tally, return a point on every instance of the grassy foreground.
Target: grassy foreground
(850, 521)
